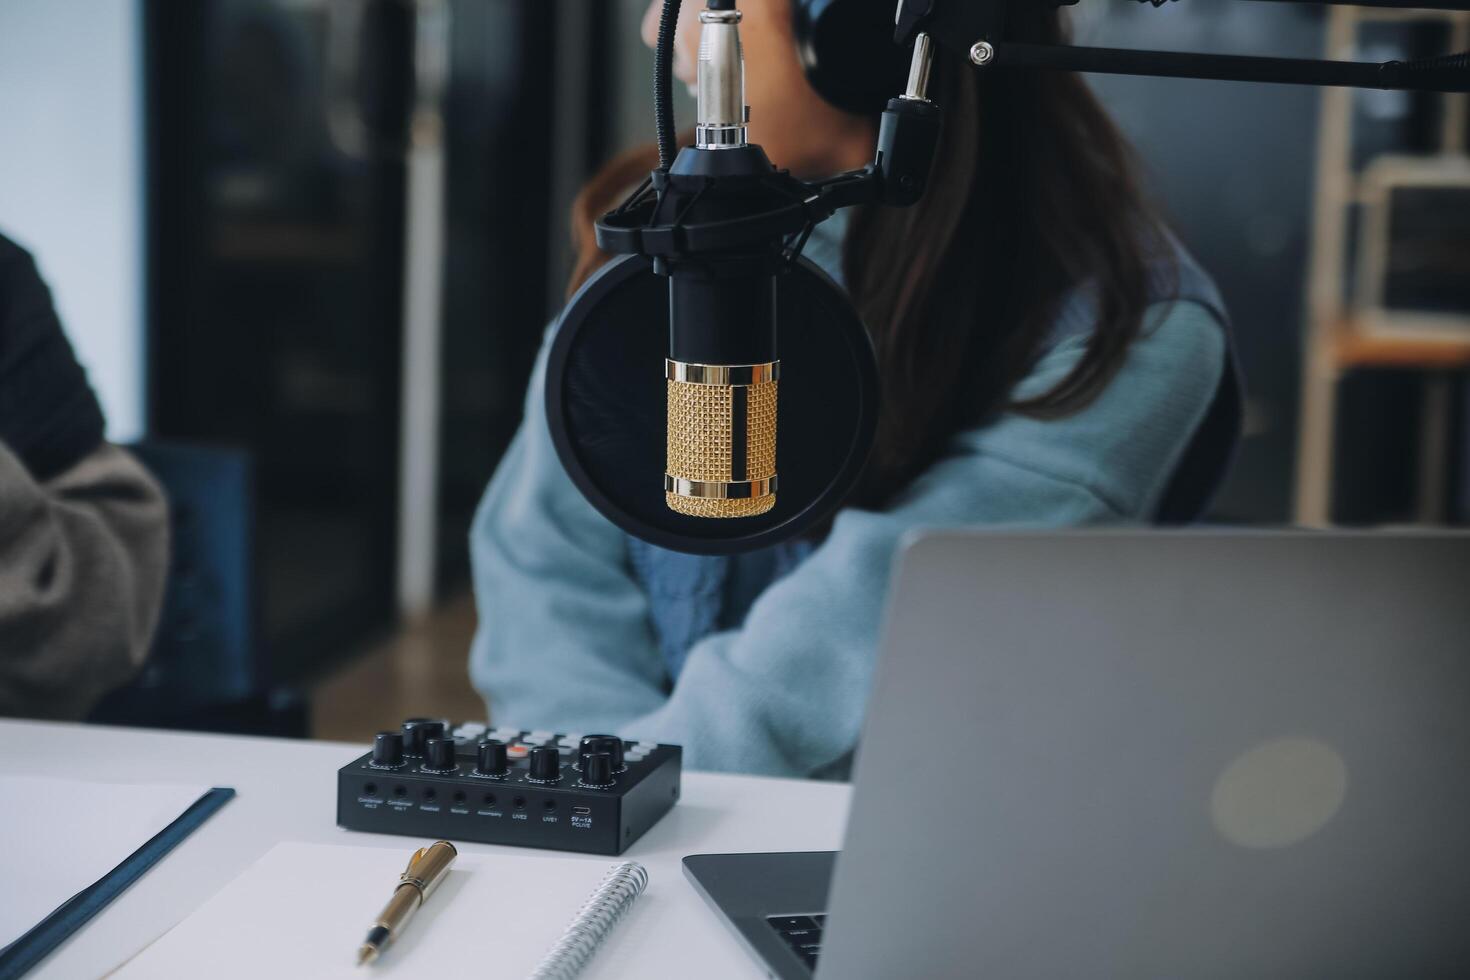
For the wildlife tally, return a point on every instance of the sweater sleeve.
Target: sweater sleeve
(83, 560)
(565, 641)
(785, 694)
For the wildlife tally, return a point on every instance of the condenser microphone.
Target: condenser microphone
(722, 372)
(673, 360)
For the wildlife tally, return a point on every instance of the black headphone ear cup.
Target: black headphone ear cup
(847, 49)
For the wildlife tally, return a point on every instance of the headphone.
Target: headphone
(848, 51)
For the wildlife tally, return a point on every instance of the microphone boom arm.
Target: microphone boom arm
(976, 30)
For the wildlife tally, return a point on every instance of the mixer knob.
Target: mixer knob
(388, 749)
(439, 754)
(597, 769)
(492, 758)
(545, 763)
(611, 744)
(417, 731)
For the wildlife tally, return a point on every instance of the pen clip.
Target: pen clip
(427, 867)
(408, 877)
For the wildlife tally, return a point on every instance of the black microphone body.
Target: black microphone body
(720, 318)
(723, 365)
(722, 305)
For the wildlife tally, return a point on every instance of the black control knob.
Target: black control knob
(545, 763)
(439, 754)
(597, 769)
(610, 744)
(388, 749)
(492, 758)
(417, 731)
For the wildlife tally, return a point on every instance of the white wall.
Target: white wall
(71, 178)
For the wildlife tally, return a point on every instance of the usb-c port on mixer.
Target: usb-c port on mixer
(582, 811)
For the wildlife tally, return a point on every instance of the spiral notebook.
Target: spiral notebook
(303, 909)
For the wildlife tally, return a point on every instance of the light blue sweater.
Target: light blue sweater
(567, 640)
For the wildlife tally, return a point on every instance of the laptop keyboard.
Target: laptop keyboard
(803, 934)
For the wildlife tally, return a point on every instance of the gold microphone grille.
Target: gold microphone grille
(703, 437)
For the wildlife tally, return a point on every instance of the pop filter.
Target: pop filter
(607, 406)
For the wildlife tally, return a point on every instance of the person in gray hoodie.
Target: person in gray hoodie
(83, 526)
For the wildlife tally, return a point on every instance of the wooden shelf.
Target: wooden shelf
(1336, 341)
(1354, 349)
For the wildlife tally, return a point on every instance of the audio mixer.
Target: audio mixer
(569, 792)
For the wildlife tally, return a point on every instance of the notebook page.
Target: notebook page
(303, 910)
(85, 829)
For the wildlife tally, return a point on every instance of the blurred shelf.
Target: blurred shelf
(1352, 348)
(1336, 341)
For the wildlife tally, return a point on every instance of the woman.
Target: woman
(1047, 356)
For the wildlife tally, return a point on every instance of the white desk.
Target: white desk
(287, 791)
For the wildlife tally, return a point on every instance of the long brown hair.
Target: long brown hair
(1033, 193)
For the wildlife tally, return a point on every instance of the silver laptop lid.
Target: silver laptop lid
(1164, 755)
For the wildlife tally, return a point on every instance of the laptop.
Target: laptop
(1146, 754)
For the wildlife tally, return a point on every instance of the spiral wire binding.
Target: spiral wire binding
(608, 903)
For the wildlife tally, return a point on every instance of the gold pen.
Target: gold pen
(425, 870)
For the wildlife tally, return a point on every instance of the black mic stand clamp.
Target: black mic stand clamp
(724, 201)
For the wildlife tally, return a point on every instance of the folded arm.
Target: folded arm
(83, 558)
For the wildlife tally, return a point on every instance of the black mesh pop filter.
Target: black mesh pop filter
(606, 402)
